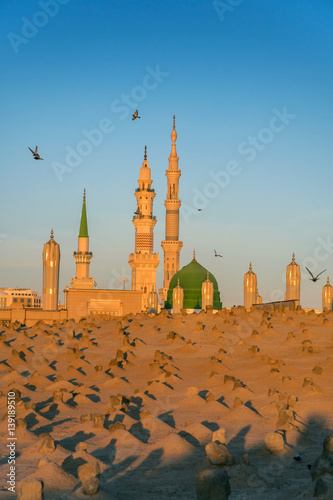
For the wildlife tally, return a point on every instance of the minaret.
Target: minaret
(250, 288)
(207, 293)
(327, 296)
(177, 298)
(293, 281)
(51, 263)
(171, 245)
(144, 261)
(83, 256)
(152, 302)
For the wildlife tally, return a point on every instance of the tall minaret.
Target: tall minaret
(327, 296)
(83, 256)
(51, 263)
(293, 281)
(250, 288)
(171, 245)
(144, 261)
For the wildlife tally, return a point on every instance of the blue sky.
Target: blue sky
(225, 75)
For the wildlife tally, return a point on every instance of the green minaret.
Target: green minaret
(83, 256)
(84, 223)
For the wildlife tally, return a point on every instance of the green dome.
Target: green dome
(191, 278)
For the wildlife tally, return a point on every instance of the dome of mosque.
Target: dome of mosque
(190, 279)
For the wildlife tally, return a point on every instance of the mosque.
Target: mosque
(191, 288)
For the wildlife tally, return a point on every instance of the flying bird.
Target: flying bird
(217, 254)
(314, 278)
(199, 209)
(135, 115)
(35, 153)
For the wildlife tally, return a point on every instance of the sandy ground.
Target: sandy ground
(175, 380)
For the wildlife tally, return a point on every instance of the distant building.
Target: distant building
(19, 298)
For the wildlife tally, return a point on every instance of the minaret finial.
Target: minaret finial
(193, 260)
(293, 257)
(250, 268)
(173, 138)
(145, 157)
(208, 275)
(83, 232)
(328, 280)
(178, 282)
(52, 234)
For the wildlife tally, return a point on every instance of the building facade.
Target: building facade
(19, 298)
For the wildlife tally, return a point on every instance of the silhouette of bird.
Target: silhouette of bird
(199, 209)
(35, 153)
(137, 211)
(135, 115)
(217, 254)
(298, 458)
(314, 278)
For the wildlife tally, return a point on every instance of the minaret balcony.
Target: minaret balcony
(82, 253)
(150, 190)
(172, 203)
(139, 216)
